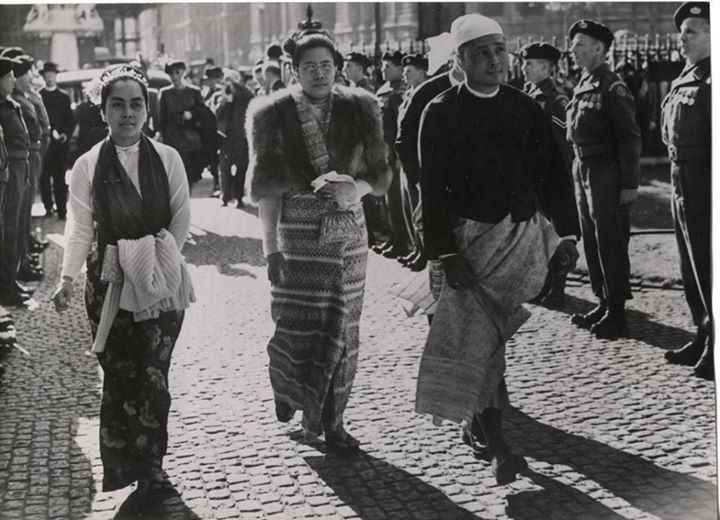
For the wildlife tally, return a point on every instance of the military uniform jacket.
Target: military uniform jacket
(554, 103)
(391, 97)
(15, 132)
(601, 121)
(686, 115)
(31, 117)
(3, 159)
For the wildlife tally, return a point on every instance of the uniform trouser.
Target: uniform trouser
(35, 164)
(399, 212)
(232, 186)
(691, 215)
(194, 163)
(52, 180)
(14, 241)
(605, 226)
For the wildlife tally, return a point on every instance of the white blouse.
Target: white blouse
(79, 228)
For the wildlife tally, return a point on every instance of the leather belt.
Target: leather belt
(687, 153)
(18, 154)
(590, 150)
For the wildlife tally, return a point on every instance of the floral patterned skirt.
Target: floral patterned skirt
(135, 400)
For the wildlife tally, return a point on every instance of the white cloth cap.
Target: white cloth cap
(471, 26)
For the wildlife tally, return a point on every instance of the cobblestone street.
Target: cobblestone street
(608, 428)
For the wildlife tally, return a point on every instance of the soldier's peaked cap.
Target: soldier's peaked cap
(12, 52)
(417, 60)
(692, 10)
(22, 65)
(596, 30)
(395, 57)
(173, 65)
(359, 58)
(540, 51)
(6, 65)
(213, 73)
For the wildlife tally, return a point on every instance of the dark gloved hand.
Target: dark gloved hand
(458, 272)
(277, 268)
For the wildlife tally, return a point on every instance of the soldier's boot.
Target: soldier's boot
(585, 321)
(505, 464)
(613, 325)
(689, 354)
(704, 368)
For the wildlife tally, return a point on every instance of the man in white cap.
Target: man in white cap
(488, 158)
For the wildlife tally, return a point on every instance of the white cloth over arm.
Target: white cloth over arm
(79, 229)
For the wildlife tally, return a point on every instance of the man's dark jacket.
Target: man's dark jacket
(484, 159)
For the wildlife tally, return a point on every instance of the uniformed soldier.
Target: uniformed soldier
(539, 65)
(390, 95)
(356, 65)
(686, 132)
(415, 67)
(17, 143)
(30, 269)
(606, 140)
(211, 86)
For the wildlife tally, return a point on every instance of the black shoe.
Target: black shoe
(419, 263)
(49, 212)
(404, 260)
(704, 368)
(239, 204)
(22, 289)
(380, 248)
(689, 354)
(224, 204)
(29, 274)
(474, 438)
(13, 299)
(393, 252)
(506, 466)
(62, 216)
(611, 326)
(585, 321)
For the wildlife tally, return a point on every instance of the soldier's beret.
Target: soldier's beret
(6, 65)
(540, 51)
(49, 66)
(595, 30)
(692, 10)
(22, 65)
(395, 57)
(174, 65)
(417, 60)
(213, 73)
(12, 52)
(359, 58)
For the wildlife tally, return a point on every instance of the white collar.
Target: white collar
(51, 89)
(128, 149)
(482, 95)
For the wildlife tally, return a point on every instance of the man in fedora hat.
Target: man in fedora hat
(686, 130)
(606, 140)
(480, 220)
(62, 122)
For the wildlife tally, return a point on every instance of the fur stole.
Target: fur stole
(279, 162)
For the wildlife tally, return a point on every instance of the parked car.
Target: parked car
(72, 81)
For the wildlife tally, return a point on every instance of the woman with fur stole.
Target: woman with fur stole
(316, 149)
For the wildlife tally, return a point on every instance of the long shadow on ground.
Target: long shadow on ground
(224, 251)
(640, 326)
(643, 484)
(169, 506)
(375, 489)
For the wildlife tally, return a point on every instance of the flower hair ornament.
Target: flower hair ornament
(113, 73)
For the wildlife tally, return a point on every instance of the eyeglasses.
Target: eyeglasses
(312, 68)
